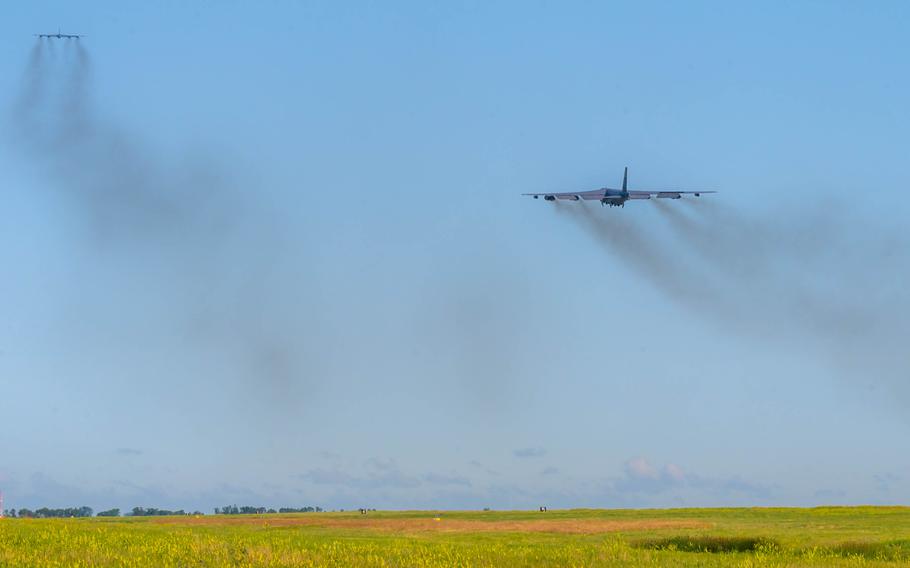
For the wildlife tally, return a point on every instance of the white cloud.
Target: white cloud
(529, 452)
(673, 471)
(640, 468)
(642, 477)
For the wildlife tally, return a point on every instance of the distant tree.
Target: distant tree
(26, 513)
(250, 510)
(45, 512)
(153, 512)
(110, 513)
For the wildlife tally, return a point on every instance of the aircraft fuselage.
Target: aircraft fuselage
(614, 197)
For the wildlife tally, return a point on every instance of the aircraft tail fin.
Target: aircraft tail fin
(625, 177)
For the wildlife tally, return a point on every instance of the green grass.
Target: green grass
(831, 536)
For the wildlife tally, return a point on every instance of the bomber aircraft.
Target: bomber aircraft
(616, 197)
(59, 35)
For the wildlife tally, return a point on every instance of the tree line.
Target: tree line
(247, 510)
(47, 513)
(153, 512)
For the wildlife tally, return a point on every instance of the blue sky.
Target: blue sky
(285, 261)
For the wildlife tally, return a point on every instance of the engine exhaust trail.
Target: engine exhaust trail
(32, 93)
(625, 240)
(76, 93)
(769, 268)
(818, 276)
(187, 226)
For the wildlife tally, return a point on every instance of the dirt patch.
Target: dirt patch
(568, 526)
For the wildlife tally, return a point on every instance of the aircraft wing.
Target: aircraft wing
(60, 36)
(617, 196)
(664, 193)
(571, 196)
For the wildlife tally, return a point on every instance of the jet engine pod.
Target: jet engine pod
(669, 195)
(570, 197)
(550, 197)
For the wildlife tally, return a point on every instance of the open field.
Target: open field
(831, 536)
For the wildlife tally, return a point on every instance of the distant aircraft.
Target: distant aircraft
(59, 35)
(616, 197)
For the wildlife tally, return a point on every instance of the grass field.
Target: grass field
(832, 536)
